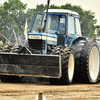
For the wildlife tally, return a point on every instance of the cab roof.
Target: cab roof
(62, 11)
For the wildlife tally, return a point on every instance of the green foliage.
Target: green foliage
(14, 13)
(1, 44)
(40, 8)
(54, 7)
(88, 23)
(98, 30)
(12, 17)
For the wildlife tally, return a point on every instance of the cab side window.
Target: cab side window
(71, 28)
(78, 28)
(61, 26)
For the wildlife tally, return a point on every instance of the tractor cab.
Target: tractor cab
(60, 28)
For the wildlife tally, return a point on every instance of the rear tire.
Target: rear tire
(82, 49)
(7, 78)
(6, 48)
(16, 49)
(90, 62)
(77, 46)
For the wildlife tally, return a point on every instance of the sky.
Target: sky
(93, 5)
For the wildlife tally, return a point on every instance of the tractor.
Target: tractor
(56, 50)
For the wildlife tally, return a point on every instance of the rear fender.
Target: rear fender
(77, 40)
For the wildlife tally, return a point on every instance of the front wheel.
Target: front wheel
(67, 65)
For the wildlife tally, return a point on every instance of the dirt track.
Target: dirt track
(28, 91)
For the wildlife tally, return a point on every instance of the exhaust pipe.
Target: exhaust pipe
(48, 2)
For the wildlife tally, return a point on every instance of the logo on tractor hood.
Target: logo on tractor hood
(37, 37)
(40, 37)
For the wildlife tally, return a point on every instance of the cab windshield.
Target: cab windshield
(37, 22)
(55, 24)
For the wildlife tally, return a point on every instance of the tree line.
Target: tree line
(14, 13)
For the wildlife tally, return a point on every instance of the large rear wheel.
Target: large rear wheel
(77, 46)
(90, 62)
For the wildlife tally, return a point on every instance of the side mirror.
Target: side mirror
(40, 28)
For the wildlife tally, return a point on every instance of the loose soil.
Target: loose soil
(28, 91)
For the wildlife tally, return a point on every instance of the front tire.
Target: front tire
(67, 64)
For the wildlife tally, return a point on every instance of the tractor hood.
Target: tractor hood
(43, 34)
(41, 41)
(49, 38)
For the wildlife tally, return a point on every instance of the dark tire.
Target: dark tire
(99, 77)
(67, 63)
(16, 49)
(55, 81)
(82, 49)
(90, 62)
(6, 48)
(77, 46)
(4, 79)
(7, 78)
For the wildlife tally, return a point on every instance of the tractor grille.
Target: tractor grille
(37, 44)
